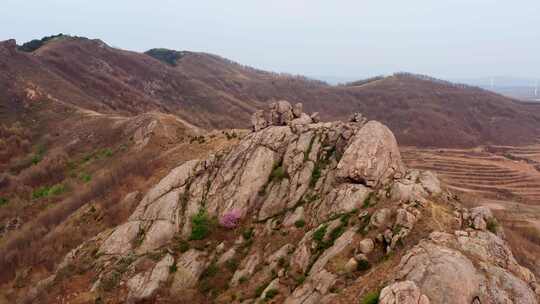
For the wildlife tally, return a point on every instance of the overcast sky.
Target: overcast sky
(338, 38)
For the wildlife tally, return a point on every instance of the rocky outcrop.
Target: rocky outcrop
(480, 217)
(372, 156)
(189, 268)
(281, 113)
(466, 266)
(144, 285)
(316, 206)
(405, 292)
(313, 289)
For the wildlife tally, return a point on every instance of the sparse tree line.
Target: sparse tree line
(438, 81)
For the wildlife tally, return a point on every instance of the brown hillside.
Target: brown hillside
(213, 92)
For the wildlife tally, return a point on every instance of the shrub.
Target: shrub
(247, 233)
(367, 201)
(211, 271)
(300, 279)
(37, 242)
(270, 294)
(110, 280)
(230, 219)
(167, 56)
(183, 246)
(371, 298)
(85, 177)
(278, 173)
(48, 191)
(107, 152)
(40, 192)
(308, 151)
(49, 170)
(345, 218)
(363, 265)
(173, 268)
(319, 234)
(37, 43)
(334, 234)
(201, 225)
(38, 156)
(260, 289)
(492, 225)
(315, 175)
(232, 264)
(3, 201)
(299, 223)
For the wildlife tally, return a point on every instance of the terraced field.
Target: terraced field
(495, 172)
(505, 179)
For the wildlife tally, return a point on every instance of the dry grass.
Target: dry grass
(36, 243)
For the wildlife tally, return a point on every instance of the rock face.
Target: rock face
(480, 216)
(467, 266)
(258, 121)
(372, 157)
(281, 113)
(144, 285)
(317, 205)
(189, 268)
(405, 292)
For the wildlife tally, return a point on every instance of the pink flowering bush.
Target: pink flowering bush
(230, 219)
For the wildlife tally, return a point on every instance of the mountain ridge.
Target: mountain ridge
(212, 92)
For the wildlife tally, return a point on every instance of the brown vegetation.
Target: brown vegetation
(38, 243)
(210, 91)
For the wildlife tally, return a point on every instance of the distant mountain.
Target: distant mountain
(213, 92)
(515, 87)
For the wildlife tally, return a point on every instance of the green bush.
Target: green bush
(173, 268)
(211, 271)
(278, 173)
(107, 152)
(308, 151)
(110, 280)
(367, 201)
(270, 294)
(38, 156)
(168, 56)
(337, 232)
(300, 279)
(363, 265)
(371, 298)
(183, 246)
(3, 201)
(299, 223)
(37, 43)
(232, 264)
(48, 191)
(319, 234)
(260, 289)
(247, 233)
(57, 190)
(85, 177)
(492, 225)
(201, 225)
(315, 175)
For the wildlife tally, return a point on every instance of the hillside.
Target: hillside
(297, 212)
(212, 92)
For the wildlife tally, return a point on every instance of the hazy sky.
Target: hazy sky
(342, 38)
